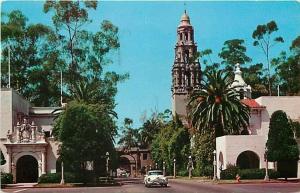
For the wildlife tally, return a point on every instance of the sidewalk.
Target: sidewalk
(255, 181)
(20, 185)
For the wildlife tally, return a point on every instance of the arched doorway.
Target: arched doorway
(125, 164)
(27, 169)
(248, 160)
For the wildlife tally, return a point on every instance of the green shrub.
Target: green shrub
(183, 172)
(203, 170)
(6, 178)
(230, 173)
(252, 174)
(56, 178)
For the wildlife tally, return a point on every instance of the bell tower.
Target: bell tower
(186, 70)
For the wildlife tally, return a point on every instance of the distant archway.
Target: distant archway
(125, 164)
(27, 169)
(248, 160)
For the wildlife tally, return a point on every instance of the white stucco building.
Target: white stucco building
(247, 151)
(25, 140)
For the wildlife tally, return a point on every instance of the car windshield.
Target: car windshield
(155, 173)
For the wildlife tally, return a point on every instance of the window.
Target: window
(47, 133)
(145, 156)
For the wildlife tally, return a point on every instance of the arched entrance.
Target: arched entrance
(248, 160)
(27, 169)
(125, 164)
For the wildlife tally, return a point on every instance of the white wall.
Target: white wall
(52, 156)
(289, 104)
(232, 146)
(5, 112)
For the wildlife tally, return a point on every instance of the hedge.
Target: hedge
(230, 173)
(6, 178)
(56, 178)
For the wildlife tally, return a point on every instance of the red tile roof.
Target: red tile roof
(252, 103)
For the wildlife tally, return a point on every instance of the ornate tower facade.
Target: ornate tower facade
(186, 71)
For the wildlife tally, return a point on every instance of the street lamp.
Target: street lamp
(156, 165)
(164, 168)
(190, 166)
(107, 159)
(138, 161)
(266, 159)
(62, 181)
(174, 172)
(215, 165)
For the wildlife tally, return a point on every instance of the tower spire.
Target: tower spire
(186, 71)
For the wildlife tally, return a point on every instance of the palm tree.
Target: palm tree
(216, 107)
(130, 137)
(85, 90)
(151, 127)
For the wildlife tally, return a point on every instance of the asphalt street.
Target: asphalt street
(175, 187)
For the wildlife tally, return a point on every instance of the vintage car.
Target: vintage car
(155, 177)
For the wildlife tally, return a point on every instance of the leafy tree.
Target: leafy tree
(287, 69)
(86, 132)
(254, 76)
(68, 18)
(281, 143)
(295, 47)
(204, 145)
(234, 52)
(85, 53)
(148, 131)
(217, 107)
(205, 57)
(171, 142)
(130, 136)
(262, 38)
(153, 125)
(34, 62)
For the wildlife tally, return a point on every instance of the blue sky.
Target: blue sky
(147, 32)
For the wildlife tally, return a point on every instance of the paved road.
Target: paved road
(176, 187)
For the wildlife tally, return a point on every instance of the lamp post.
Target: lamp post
(137, 163)
(215, 165)
(174, 169)
(164, 168)
(62, 181)
(266, 159)
(107, 159)
(190, 166)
